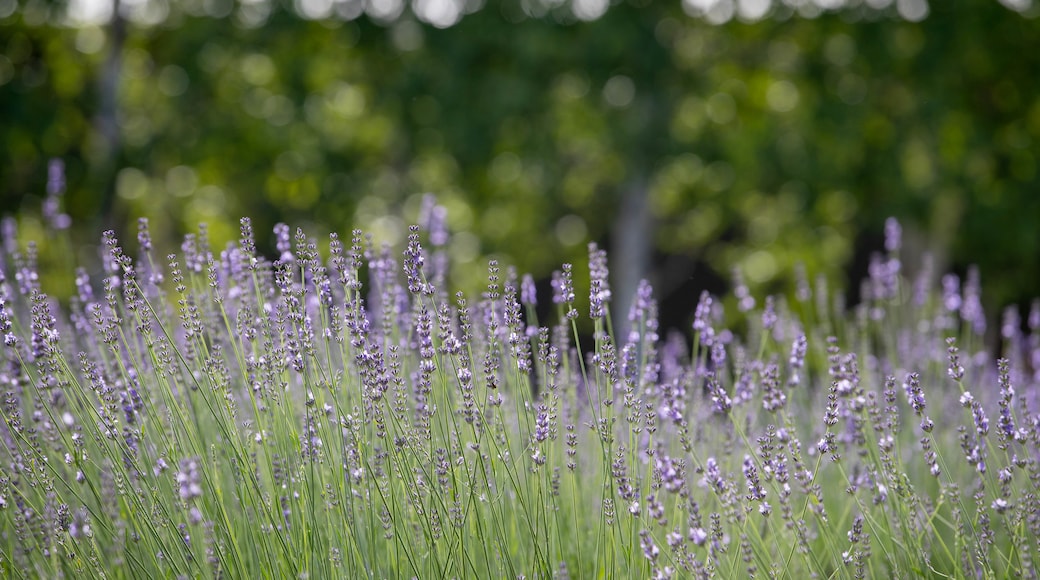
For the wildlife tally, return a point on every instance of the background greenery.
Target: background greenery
(687, 143)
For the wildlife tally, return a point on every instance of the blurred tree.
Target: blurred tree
(714, 133)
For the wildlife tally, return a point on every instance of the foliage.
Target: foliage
(217, 413)
(755, 144)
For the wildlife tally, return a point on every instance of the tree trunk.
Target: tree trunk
(631, 252)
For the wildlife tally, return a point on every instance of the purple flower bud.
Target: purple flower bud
(528, 293)
(650, 549)
(670, 472)
(433, 218)
(414, 260)
(798, 351)
(769, 316)
(9, 233)
(823, 446)
(698, 536)
(1006, 422)
(188, 479)
(1011, 324)
(1004, 475)
(563, 291)
(702, 315)
(773, 397)
(954, 370)
(541, 426)
(971, 307)
(803, 291)
(967, 399)
(144, 238)
(713, 476)
(951, 292)
(914, 393)
(978, 416)
(893, 235)
(721, 401)
(754, 487)
(282, 243)
(55, 177)
(745, 302)
(644, 304)
(599, 286)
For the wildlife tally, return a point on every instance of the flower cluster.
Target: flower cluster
(220, 413)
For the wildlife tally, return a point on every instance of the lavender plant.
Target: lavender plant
(214, 413)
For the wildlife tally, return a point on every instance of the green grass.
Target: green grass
(339, 417)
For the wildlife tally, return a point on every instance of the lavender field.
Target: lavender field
(344, 413)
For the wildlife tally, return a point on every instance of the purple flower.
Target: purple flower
(55, 189)
(55, 177)
(745, 301)
(721, 402)
(803, 290)
(541, 425)
(671, 473)
(955, 370)
(754, 486)
(702, 314)
(414, 260)
(563, 291)
(650, 549)
(188, 480)
(246, 241)
(433, 218)
(893, 235)
(643, 302)
(773, 397)
(951, 292)
(1011, 324)
(528, 294)
(283, 244)
(978, 416)
(923, 281)
(599, 286)
(769, 316)
(971, 307)
(799, 349)
(883, 282)
(914, 393)
(698, 536)
(9, 233)
(144, 238)
(80, 525)
(1006, 422)
(5, 315)
(966, 399)
(713, 476)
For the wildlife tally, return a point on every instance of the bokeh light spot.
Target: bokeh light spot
(131, 183)
(760, 267)
(721, 108)
(181, 180)
(571, 230)
(782, 96)
(173, 81)
(619, 91)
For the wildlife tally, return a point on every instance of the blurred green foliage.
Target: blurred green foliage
(752, 144)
